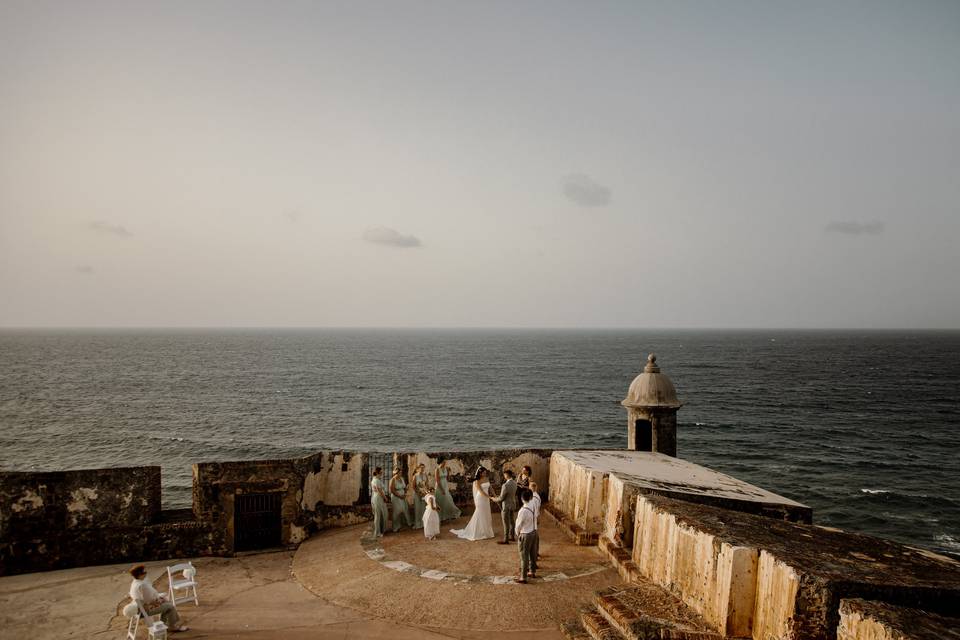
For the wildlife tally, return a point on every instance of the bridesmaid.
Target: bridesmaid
(448, 509)
(398, 499)
(420, 490)
(378, 501)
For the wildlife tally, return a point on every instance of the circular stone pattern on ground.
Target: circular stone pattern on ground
(450, 583)
(452, 559)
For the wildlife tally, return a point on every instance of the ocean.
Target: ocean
(863, 426)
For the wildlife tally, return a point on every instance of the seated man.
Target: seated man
(153, 602)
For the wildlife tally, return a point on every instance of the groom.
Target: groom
(508, 505)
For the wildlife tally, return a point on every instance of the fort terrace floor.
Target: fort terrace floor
(338, 584)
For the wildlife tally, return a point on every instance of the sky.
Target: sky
(485, 164)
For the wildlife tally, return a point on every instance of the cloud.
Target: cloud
(112, 229)
(585, 191)
(855, 228)
(85, 269)
(390, 237)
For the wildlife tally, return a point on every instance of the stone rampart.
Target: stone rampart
(758, 577)
(597, 490)
(866, 620)
(59, 519)
(53, 520)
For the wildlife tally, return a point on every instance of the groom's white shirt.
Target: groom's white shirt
(526, 521)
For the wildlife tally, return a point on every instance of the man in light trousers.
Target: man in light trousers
(535, 503)
(526, 530)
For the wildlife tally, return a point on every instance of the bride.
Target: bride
(481, 524)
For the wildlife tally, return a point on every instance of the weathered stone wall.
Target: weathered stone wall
(591, 496)
(462, 464)
(621, 500)
(68, 518)
(663, 427)
(714, 577)
(764, 578)
(331, 488)
(217, 484)
(867, 620)
(75, 518)
(578, 492)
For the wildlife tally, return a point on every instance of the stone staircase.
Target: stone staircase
(636, 610)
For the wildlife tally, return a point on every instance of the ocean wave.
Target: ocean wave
(947, 541)
(908, 499)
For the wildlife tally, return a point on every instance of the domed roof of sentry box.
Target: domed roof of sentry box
(651, 388)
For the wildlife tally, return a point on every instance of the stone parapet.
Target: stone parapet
(597, 489)
(57, 519)
(52, 520)
(869, 620)
(759, 577)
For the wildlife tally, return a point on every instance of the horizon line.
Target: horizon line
(454, 328)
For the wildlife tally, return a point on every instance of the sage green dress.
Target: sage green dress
(448, 509)
(401, 510)
(380, 515)
(420, 490)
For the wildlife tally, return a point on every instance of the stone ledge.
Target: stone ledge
(574, 531)
(643, 611)
(620, 559)
(573, 630)
(870, 620)
(597, 626)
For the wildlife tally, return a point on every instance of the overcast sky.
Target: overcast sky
(667, 164)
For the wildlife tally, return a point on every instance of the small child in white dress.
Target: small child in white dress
(431, 518)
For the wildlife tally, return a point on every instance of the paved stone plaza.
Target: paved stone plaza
(330, 587)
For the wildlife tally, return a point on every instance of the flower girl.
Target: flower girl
(431, 517)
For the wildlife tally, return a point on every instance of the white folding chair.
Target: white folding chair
(186, 582)
(133, 615)
(134, 611)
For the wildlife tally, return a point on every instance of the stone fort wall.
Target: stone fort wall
(56, 520)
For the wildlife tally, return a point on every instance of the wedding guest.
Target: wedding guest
(448, 508)
(153, 603)
(526, 530)
(431, 517)
(420, 490)
(398, 500)
(378, 502)
(523, 482)
(508, 506)
(535, 501)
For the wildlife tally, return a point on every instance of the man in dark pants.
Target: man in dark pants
(508, 505)
(526, 530)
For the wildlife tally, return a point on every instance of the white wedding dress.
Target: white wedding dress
(480, 526)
